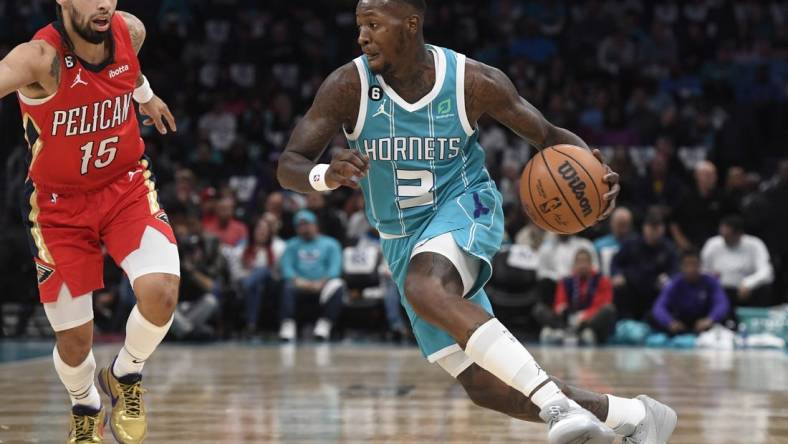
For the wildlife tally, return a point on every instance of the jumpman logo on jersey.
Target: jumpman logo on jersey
(78, 80)
(132, 173)
(54, 198)
(382, 110)
(480, 209)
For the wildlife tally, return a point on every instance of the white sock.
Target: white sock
(79, 380)
(623, 414)
(493, 348)
(142, 338)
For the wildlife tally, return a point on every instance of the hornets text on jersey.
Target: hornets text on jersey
(422, 154)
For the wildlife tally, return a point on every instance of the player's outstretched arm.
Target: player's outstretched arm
(32, 64)
(150, 104)
(335, 105)
(489, 91)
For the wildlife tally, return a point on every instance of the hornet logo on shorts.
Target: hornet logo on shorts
(479, 210)
(43, 272)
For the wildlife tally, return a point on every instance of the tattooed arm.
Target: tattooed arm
(489, 91)
(156, 109)
(335, 106)
(32, 68)
(136, 32)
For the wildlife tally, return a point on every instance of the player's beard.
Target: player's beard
(83, 27)
(385, 69)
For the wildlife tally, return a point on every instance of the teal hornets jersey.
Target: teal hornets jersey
(422, 154)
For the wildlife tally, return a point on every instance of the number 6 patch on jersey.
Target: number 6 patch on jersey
(375, 93)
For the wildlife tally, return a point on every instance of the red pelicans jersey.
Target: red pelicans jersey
(86, 134)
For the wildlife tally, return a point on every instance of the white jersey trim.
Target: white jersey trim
(387, 236)
(466, 125)
(440, 75)
(363, 101)
(34, 102)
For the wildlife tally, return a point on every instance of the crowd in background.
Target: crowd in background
(684, 98)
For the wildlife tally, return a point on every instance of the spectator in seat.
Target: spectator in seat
(659, 187)
(329, 222)
(532, 236)
(182, 192)
(692, 301)
(311, 266)
(583, 304)
(699, 209)
(620, 230)
(203, 274)
(641, 268)
(253, 268)
(365, 268)
(737, 187)
(557, 256)
(357, 224)
(230, 231)
(275, 205)
(741, 262)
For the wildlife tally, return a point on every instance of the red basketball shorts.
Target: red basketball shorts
(69, 232)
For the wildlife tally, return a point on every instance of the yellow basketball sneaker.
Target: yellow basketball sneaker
(86, 426)
(128, 420)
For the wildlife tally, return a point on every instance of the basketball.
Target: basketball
(562, 189)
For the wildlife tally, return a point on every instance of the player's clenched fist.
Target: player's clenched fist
(346, 169)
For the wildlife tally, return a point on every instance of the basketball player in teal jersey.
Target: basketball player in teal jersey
(409, 111)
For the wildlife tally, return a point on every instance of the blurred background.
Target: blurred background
(686, 99)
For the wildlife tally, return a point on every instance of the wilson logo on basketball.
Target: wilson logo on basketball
(568, 172)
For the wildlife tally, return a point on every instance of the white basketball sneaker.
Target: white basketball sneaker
(323, 329)
(656, 427)
(568, 423)
(287, 331)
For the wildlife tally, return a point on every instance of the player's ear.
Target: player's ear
(413, 23)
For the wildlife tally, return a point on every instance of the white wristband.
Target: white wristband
(143, 93)
(317, 177)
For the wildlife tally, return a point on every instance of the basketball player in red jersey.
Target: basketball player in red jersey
(88, 184)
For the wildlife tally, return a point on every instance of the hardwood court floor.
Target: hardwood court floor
(379, 394)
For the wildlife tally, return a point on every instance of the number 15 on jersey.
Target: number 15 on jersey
(104, 156)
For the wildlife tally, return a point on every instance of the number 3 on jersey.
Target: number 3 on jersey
(104, 156)
(418, 194)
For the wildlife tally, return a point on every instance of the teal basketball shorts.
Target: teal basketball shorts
(474, 222)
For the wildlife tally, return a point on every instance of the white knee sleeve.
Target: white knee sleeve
(69, 311)
(156, 254)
